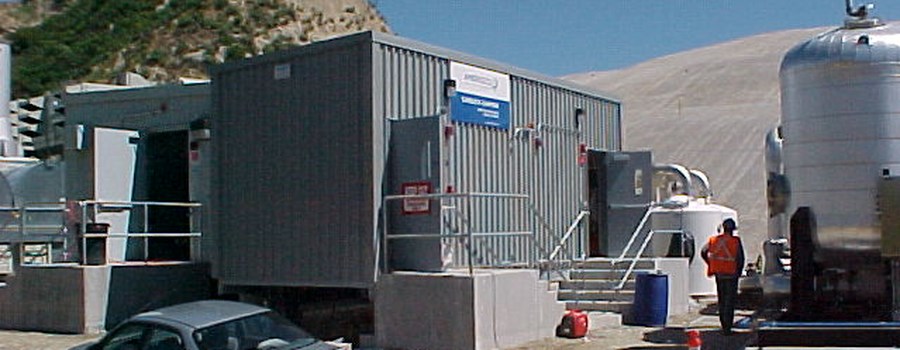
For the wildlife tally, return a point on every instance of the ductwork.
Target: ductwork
(701, 185)
(684, 176)
(7, 146)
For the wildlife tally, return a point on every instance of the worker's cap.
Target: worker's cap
(729, 225)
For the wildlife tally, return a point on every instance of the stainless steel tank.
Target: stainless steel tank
(840, 101)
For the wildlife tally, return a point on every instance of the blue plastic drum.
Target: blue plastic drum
(651, 300)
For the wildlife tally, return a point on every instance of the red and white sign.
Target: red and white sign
(416, 205)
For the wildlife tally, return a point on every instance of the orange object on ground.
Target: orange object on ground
(694, 341)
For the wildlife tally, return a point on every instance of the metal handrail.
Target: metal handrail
(467, 234)
(572, 227)
(99, 205)
(640, 252)
(637, 231)
(552, 264)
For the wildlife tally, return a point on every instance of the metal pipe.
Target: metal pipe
(700, 179)
(7, 146)
(679, 171)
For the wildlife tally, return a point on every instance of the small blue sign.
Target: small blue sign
(468, 108)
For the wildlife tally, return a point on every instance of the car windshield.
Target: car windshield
(264, 331)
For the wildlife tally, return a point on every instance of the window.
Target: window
(126, 338)
(163, 339)
(140, 336)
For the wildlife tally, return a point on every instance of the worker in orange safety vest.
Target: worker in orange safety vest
(724, 256)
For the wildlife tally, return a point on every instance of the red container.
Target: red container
(574, 324)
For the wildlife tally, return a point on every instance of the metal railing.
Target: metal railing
(464, 233)
(553, 263)
(98, 207)
(637, 256)
(23, 230)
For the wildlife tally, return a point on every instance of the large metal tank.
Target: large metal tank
(841, 127)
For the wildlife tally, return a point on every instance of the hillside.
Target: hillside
(710, 109)
(97, 40)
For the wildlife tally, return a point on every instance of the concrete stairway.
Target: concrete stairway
(591, 285)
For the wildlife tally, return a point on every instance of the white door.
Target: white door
(114, 163)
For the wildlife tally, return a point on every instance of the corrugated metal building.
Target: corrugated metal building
(302, 140)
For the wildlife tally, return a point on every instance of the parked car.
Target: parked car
(208, 325)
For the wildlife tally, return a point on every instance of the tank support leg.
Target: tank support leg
(803, 268)
(895, 289)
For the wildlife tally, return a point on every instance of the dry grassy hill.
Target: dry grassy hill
(710, 109)
(58, 41)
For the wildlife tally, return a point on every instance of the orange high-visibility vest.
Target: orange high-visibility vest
(723, 253)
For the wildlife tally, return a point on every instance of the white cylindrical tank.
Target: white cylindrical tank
(698, 220)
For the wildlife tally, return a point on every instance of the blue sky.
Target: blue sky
(559, 37)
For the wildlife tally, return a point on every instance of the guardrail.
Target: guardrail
(643, 247)
(553, 262)
(102, 206)
(22, 230)
(464, 233)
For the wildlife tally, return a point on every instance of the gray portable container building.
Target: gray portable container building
(302, 140)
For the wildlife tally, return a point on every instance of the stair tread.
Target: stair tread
(596, 291)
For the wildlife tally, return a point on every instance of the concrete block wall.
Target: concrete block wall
(488, 310)
(43, 299)
(91, 299)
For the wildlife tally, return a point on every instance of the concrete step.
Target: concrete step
(601, 274)
(599, 305)
(595, 284)
(604, 264)
(594, 295)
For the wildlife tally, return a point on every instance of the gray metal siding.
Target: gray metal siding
(493, 160)
(295, 169)
(409, 84)
(302, 163)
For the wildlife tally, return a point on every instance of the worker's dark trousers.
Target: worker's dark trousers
(726, 288)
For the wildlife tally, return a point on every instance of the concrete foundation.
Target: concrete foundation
(490, 309)
(68, 298)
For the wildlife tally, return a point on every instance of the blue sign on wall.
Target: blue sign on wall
(482, 96)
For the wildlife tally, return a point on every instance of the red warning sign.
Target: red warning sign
(416, 205)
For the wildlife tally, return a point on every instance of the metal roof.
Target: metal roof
(202, 314)
(413, 45)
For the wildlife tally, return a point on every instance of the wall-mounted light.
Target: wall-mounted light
(449, 88)
(579, 113)
(200, 129)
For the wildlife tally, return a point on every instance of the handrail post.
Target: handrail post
(83, 224)
(386, 268)
(146, 230)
